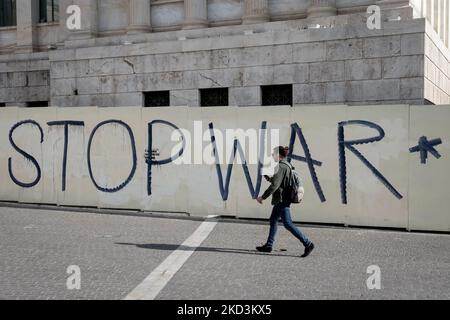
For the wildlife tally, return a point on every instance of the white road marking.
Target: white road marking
(157, 280)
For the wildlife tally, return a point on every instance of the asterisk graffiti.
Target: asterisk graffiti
(426, 146)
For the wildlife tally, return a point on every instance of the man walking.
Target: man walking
(281, 205)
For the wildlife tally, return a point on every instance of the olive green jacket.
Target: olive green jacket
(278, 182)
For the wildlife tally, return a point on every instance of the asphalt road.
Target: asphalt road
(116, 253)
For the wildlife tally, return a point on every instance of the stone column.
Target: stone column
(139, 16)
(447, 25)
(255, 11)
(441, 26)
(196, 14)
(89, 19)
(27, 18)
(322, 8)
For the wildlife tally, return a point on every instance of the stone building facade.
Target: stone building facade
(224, 52)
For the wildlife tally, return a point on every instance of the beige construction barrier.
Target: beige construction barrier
(383, 166)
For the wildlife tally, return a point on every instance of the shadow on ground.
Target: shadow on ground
(173, 247)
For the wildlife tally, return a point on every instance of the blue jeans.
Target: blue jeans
(282, 210)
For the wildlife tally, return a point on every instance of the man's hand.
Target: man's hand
(260, 200)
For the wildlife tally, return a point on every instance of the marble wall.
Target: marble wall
(404, 62)
(340, 65)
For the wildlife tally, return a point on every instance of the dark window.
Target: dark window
(7, 13)
(2, 104)
(214, 97)
(277, 95)
(48, 11)
(37, 104)
(157, 99)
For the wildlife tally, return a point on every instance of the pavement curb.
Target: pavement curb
(187, 216)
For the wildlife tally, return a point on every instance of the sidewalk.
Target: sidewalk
(116, 253)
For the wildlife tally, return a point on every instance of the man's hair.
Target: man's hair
(282, 151)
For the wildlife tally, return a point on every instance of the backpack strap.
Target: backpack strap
(289, 174)
(289, 165)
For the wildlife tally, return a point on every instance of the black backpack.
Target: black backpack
(294, 190)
